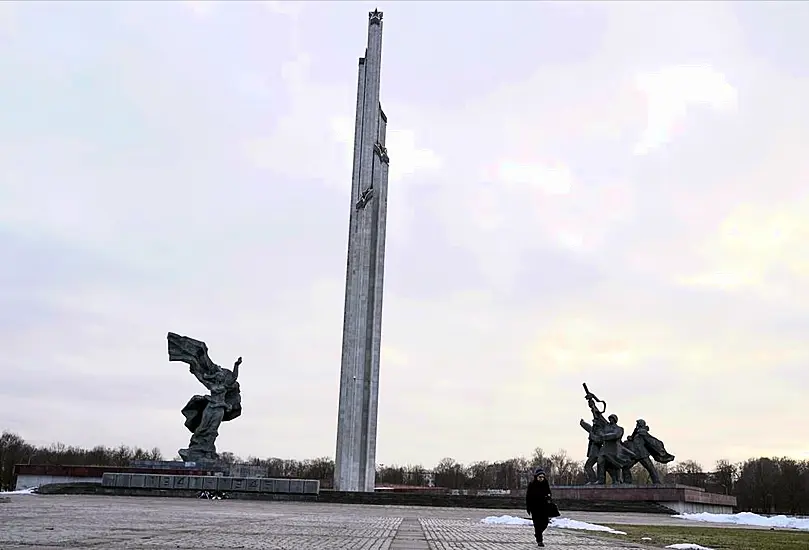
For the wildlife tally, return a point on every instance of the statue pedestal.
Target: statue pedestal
(677, 498)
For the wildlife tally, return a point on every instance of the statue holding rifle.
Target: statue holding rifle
(612, 456)
(594, 432)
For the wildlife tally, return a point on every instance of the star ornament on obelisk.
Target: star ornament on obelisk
(355, 460)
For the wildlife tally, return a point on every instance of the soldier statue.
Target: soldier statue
(644, 446)
(615, 457)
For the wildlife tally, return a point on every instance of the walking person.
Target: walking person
(539, 505)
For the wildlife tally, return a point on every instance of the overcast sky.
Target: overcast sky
(605, 193)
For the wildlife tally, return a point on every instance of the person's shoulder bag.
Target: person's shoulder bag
(551, 508)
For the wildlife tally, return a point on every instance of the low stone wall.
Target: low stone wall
(211, 483)
(677, 498)
(638, 499)
(98, 489)
(506, 502)
(26, 481)
(655, 499)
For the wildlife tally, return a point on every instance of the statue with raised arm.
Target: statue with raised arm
(605, 449)
(204, 413)
(645, 446)
(594, 444)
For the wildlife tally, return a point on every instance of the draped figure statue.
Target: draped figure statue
(204, 413)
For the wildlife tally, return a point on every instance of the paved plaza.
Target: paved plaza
(49, 522)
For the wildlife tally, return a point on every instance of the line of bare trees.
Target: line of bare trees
(15, 450)
(762, 485)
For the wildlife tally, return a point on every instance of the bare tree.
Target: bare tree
(563, 470)
(539, 460)
(449, 473)
(725, 475)
(689, 472)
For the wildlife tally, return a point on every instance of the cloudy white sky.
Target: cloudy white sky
(604, 193)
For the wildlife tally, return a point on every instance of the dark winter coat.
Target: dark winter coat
(537, 497)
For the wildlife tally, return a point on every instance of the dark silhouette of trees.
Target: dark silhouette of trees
(761, 485)
(689, 472)
(415, 476)
(318, 468)
(411, 475)
(14, 450)
(773, 486)
(725, 475)
(449, 473)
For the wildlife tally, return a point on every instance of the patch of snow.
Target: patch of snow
(748, 518)
(506, 520)
(688, 546)
(30, 491)
(559, 523)
(565, 523)
(646, 538)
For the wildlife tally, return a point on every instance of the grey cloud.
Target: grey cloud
(114, 389)
(434, 267)
(30, 262)
(776, 32)
(548, 278)
(36, 270)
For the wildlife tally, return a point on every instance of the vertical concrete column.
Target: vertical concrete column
(355, 460)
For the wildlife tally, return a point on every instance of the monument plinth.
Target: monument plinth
(681, 499)
(355, 461)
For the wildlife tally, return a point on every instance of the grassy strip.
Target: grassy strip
(714, 537)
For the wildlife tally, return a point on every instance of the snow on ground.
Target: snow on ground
(21, 492)
(565, 523)
(688, 546)
(559, 523)
(506, 520)
(747, 518)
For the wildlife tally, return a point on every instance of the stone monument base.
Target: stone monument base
(211, 483)
(189, 486)
(679, 499)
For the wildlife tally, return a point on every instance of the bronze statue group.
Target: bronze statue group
(610, 455)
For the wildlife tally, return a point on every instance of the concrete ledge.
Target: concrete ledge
(505, 502)
(96, 489)
(336, 497)
(662, 499)
(677, 498)
(211, 483)
(641, 499)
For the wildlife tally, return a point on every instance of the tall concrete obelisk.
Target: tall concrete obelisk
(355, 463)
